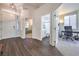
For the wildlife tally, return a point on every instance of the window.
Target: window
(73, 21)
(66, 21)
(70, 20)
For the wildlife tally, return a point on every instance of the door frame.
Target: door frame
(52, 39)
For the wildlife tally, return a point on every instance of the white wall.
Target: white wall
(8, 25)
(43, 10)
(0, 26)
(9, 22)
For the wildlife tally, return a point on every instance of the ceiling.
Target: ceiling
(32, 5)
(24, 5)
(67, 8)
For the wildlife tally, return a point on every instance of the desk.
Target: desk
(72, 31)
(77, 32)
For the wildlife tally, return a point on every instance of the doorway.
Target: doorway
(28, 27)
(45, 28)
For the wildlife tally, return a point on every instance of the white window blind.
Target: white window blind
(70, 20)
(73, 21)
(66, 21)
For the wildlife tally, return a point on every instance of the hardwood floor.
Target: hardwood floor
(28, 47)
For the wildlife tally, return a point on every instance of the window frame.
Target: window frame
(69, 19)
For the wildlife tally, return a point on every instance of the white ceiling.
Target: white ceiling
(32, 5)
(67, 8)
(24, 5)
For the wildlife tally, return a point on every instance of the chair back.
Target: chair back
(68, 30)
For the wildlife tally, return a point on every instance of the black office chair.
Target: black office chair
(68, 33)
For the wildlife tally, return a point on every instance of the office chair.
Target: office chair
(68, 33)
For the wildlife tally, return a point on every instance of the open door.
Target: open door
(53, 29)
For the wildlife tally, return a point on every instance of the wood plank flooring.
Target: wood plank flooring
(28, 47)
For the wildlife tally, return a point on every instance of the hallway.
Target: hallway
(28, 47)
(29, 35)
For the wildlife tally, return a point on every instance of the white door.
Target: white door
(8, 25)
(53, 29)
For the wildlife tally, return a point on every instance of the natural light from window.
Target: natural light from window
(70, 20)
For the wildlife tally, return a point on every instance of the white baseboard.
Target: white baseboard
(9, 37)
